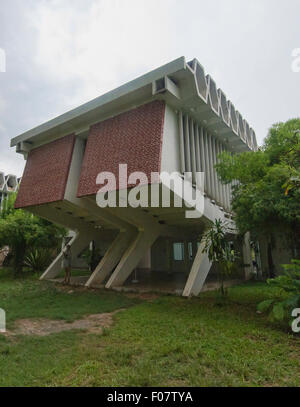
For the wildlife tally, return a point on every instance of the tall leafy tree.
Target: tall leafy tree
(266, 187)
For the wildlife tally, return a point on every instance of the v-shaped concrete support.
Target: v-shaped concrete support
(132, 256)
(111, 258)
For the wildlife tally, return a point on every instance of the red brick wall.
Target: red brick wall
(133, 138)
(46, 173)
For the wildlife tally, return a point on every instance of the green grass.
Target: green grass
(30, 298)
(75, 273)
(169, 341)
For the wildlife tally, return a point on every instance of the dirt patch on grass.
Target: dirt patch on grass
(70, 289)
(42, 327)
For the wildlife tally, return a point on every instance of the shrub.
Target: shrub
(38, 260)
(289, 284)
(24, 232)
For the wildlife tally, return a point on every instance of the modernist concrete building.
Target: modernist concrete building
(8, 184)
(173, 119)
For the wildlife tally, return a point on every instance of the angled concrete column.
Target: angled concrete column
(198, 273)
(131, 258)
(110, 259)
(78, 243)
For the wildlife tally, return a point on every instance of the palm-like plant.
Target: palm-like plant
(220, 251)
(38, 260)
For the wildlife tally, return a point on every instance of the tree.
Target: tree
(266, 191)
(220, 251)
(24, 232)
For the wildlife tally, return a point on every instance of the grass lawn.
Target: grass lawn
(167, 341)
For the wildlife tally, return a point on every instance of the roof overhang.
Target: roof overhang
(182, 85)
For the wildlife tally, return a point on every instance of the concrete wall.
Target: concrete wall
(159, 255)
(170, 157)
(162, 256)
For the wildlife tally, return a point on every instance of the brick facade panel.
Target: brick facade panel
(46, 173)
(133, 138)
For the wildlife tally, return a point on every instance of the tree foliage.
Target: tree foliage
(219, 251)
(24, 232)
(289, 284)
(266, 184)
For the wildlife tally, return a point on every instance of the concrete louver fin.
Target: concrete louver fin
(253, 138)
(213, 98)
(247, 134)
(11, 183)
(217, 101)
(233, 118)
(224, 108)
(192, 64)
(181, 143)
(187, 148)
(2, 181)
(201, 82)
(241, 127)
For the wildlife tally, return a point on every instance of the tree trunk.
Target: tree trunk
(19, 256)
(270, 259)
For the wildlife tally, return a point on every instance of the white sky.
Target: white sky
(61, 53)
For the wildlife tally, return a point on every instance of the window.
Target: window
(190, 250)
(178, 251)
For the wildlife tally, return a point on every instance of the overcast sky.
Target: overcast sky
(61, 53)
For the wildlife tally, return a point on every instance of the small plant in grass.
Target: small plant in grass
(289, 284)
(219, 251)
(92, 257)
(38, 260)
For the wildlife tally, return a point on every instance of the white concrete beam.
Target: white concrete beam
(144, 221)
(198, 273)
(78, 243)
(60, 217)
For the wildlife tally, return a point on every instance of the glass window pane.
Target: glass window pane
(178, 251)
(190, 249)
